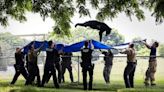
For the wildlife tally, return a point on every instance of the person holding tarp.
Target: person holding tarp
(19, 66)
(152, 64)
(49, 67)
(131, 66)
(58, 62)
(33, 68)
(66, 64)
(108, 58)
(58, 67)
(86, 64)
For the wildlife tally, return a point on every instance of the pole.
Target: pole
(78, 70)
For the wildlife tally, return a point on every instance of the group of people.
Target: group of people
(51, 67)
(53, 64)
(129, 69)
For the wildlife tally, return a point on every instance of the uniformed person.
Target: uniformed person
(58, 66)
(152, 64)
(58, 63)
(49, 67)
(131, 66)
(33, 68)
(66, 64)
(108, 58)
(87, 66)
(19, 66)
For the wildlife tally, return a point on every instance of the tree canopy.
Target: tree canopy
(61, 11)
(81, 33)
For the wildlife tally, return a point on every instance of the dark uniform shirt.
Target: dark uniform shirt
(67, 57)
(86, 56)
(57, 56)
(153, 53)
(50, 56)
(19, 58)
(108, 58)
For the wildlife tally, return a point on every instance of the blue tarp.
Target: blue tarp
(37, 44)
(71, 48)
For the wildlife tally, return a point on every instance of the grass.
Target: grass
(117, 83)
(98, 86)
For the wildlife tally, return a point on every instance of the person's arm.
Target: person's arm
(147, 45)
(125, 51)
(103, 52)
(39, 49)
(15, 57)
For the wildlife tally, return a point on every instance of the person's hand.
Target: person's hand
(143, 41)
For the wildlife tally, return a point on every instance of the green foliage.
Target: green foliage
(9, 42)
(15, 9)
(77, 35)
(11, 39)
(81, 33)
(157, 6)
(138, 46)
(141, 48)
(61, 11)
(115, 38)
(161, 50)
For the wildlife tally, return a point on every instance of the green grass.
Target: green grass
(117, 83)
(98, 86)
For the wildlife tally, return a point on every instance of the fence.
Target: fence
(119, 64)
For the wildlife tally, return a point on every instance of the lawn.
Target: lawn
(116, 85)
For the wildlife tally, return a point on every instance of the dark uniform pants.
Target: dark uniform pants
(19, 70)
(106, 73)
(67, 66)
(86, 69)
(49, 70)
(33, 70)
(129, 74)
(58, 67)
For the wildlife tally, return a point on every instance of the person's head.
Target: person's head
(131, 45)
(18, 50)
(155, 44)
(110, 52)
(86, 43)
(51, 44)
(31, 47)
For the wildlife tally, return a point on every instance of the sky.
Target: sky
(130, 29)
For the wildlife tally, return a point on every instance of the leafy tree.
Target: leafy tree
(77, 35)
(140, 47)
(61, 11)
(114, 39)
(161, 50)
(81, 33)
(9, 42)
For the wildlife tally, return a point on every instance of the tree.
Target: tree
(161, 50)
(140, 47)
(81, 33)
(114, 39)
(61, 11)
(9, 42)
